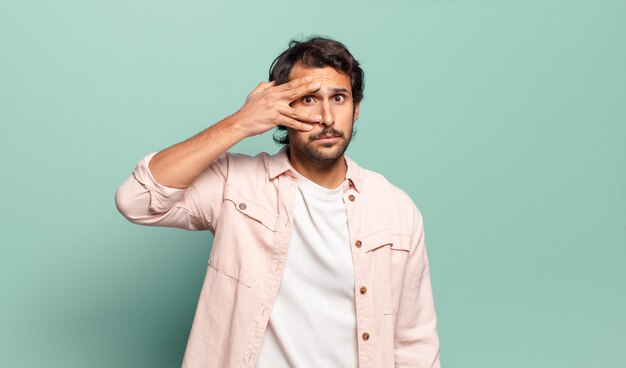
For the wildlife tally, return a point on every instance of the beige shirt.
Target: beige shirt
(248, 204)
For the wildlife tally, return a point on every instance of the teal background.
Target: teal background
(504, 120)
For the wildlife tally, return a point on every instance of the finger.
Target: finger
(300, 91)
(294, 124)
(294, 83)
(300, 116)
(262, 87)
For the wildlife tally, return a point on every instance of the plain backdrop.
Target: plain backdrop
(505, 121)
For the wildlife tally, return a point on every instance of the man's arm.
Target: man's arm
(169, 188)
(416, 340)
(267, 106)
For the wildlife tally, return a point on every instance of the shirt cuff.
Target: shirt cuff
(162, 198)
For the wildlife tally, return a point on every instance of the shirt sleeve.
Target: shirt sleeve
(416, 340)
(141, 200)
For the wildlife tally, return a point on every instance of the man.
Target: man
(316, 262)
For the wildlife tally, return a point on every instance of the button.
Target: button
(242, 206)
(365, 336)
(358, 244)
(363, 290)
(351, 198)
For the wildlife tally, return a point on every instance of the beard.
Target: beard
(322, 153)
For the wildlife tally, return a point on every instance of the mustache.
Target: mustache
(330, 131)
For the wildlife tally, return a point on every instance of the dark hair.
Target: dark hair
(317, 52)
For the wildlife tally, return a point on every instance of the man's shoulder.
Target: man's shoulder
(375, 180)
(243, 157)
(237, 160)
(375, 183)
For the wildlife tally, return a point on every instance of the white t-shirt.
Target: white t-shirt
(313, 320)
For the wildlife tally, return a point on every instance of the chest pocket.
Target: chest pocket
(244, 230)
(249, 208)
(389, 253)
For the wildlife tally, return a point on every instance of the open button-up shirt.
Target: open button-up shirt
(247, 203)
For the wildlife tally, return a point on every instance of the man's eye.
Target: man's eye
(339, 98)
(307, 99)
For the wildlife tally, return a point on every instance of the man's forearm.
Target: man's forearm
(179, 165)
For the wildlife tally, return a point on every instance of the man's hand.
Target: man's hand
(268, 106)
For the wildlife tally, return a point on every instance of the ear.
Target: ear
(356, 111)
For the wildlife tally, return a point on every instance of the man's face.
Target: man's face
(329, 138)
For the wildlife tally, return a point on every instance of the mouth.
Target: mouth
(327, 137)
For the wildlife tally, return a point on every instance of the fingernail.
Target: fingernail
(308, 78)
(317, 117)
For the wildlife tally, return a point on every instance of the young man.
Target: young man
(316, 262)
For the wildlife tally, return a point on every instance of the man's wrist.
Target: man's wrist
(233, 123)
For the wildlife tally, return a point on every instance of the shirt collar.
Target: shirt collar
(279, 164)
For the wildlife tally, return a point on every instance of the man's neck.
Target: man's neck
(329, 174)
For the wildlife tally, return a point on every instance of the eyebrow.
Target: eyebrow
(340, 90)
(336, 90)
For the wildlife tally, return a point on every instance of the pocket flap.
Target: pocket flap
(250, 208)
(379, 239)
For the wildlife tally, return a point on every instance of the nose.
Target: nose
(328, 118)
